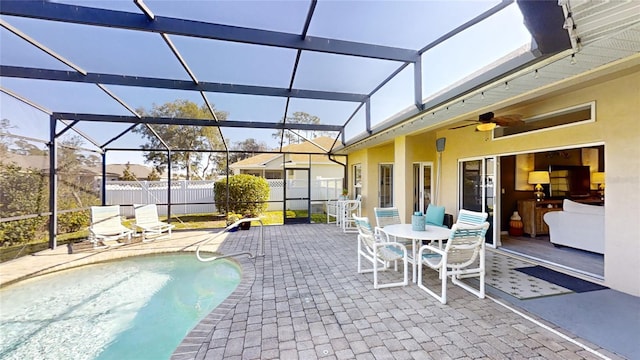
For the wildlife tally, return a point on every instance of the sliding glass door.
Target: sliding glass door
(422, 186)
(477, 190)
(385, 192)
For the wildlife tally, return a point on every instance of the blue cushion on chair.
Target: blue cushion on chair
(435, 215)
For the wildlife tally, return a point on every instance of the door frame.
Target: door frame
(418, 188)
(484, 180)
(380, 183)
(296, 220)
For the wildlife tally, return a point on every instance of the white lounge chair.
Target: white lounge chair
(462, 257)
(376, 247)
(106, 227)
(147, 221)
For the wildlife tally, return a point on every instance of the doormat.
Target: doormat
(501, 275)
(560, 279)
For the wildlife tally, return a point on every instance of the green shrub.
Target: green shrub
(247, 194)
(73, 221)
(22, 192)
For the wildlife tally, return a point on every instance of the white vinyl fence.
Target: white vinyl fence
(196, 197)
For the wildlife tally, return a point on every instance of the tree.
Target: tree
(153, 175)
(127, 175)
(186, 137)
(299, 117)
(248, 148)
(5, 140)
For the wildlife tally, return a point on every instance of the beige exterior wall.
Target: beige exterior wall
(617, 126)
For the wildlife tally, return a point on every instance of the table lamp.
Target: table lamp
(538, 178)
(598, 179)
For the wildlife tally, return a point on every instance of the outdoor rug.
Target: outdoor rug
(501, 275)
(560, 279)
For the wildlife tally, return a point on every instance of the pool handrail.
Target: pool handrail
(227, 229)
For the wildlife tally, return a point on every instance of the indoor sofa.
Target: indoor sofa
(579, 226)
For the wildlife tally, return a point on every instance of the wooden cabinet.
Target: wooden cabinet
(532, 213)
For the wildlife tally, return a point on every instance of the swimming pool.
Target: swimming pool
(133, 308)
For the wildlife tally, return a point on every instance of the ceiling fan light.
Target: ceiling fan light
(486, 126)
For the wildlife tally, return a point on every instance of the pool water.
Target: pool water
(134, 308)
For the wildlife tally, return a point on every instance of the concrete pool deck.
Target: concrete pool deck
(305, 300)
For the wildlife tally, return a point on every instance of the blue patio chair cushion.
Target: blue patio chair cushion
(435, 215)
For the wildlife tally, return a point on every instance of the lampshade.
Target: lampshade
(597, 178)
(538, 177)
(486, 126)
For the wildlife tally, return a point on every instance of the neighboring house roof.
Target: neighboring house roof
(139, 171)
(40, 162)
(262, 160)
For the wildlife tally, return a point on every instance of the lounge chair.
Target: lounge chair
(462, 257)
(376, 247)
(147, 221)
(106, 227)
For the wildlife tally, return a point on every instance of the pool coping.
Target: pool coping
(196, 343)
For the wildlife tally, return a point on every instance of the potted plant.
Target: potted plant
(246, 225)
(232, 218)
(345, 194)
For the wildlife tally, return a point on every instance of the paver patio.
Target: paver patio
(305, 300)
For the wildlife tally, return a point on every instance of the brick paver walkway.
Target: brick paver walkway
(305, 300)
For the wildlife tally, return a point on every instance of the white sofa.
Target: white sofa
(579, 226)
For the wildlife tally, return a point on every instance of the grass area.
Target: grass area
(181, 222)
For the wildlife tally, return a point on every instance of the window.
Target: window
(273, 174)
(386, 185)
(573, 115)
(357, 179)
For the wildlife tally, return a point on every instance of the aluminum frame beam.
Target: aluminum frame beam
(194, 122)
(131, 21)
(160, 83)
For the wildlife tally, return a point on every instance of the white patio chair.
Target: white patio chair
(350, 207)
(462, 257)
(332, 209)
(376, 247)
(390, 216)
(147, 221)
(386, 216)
(106, 227)
(468, 217)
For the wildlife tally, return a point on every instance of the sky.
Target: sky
(406, 24)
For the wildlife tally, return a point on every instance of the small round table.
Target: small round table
(405, 231)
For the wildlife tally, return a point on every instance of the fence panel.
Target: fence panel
(197, 196)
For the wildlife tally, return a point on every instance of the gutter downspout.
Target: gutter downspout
(345, 171)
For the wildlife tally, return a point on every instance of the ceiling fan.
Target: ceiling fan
(488, 121)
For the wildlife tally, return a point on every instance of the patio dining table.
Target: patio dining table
(430, 233)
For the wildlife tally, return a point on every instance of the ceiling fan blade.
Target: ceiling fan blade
(461, 126)
(508, 120)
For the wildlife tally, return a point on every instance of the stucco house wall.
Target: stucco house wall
(617, 126)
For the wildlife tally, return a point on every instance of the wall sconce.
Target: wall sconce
(598, 179)
(538, 178)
